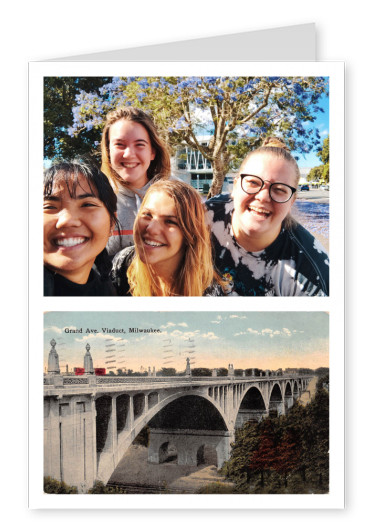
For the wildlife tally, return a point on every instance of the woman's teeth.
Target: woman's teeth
(153, 244)
(260, 211)
(69, 242)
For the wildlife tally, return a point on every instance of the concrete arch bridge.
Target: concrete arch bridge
(90, 421)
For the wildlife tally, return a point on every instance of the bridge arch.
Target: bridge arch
(103, 406)
(190, 411)
(288, 396)
(192, 426)
(276, 405)
(252, 406)
(295, 390)
(167, 452)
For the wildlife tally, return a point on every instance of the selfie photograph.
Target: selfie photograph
(186, 186)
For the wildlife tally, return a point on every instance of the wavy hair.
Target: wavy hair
(160, 167)
(196, 271)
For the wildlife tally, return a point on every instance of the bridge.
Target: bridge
(90, 421)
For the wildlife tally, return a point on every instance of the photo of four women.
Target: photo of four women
(133, 229)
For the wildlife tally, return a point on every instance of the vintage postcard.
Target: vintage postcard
(209, 403)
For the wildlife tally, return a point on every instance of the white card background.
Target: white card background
(39, 30)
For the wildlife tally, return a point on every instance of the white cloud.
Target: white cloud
(168, 325)
(210, 335)
(252, 331)
(171, 324)
(86, 338)
(176, 333)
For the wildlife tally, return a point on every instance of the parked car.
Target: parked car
(324, 187)
(304, 187)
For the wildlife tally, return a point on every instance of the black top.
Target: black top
(56, 285)
(295, 264)
(120, 263)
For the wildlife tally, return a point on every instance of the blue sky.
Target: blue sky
(311, 160)
(266, 340)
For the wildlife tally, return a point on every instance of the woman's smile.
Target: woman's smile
(152, 243)
(257, 219)
(76, 230)
(158, 236)
(131, 152)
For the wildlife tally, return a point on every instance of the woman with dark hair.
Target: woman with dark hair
(172, 254)
(259, 248)
(79, 212)
(134, 157)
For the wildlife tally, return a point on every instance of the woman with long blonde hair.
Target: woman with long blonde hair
(172, 255)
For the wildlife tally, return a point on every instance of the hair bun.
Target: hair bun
(273, 141)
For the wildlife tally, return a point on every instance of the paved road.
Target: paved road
(315, 196)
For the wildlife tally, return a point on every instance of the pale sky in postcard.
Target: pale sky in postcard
(264, 340)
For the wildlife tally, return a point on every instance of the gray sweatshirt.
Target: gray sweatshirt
(128, 204)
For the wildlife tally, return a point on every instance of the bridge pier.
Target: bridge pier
(188, 444)
(68, 434)
(246, 415)
(277, 406)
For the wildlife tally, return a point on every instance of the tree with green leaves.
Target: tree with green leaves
(237, 467)
(53, 486)
(321, 173)
(234, 112)
(201, 371)
(59, 98)
(287, 454)
(167, 371)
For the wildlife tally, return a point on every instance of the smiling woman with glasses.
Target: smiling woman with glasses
(259, 248)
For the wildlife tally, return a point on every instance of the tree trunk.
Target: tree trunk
(220, 168)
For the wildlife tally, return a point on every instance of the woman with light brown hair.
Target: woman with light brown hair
(259, 248)
(172, 254)
(134, 156)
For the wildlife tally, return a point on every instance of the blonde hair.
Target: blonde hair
(160, 167)
(275, 147)
(196, 272)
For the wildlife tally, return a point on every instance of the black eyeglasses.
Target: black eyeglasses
(279, 192)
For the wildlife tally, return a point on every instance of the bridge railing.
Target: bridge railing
(104, 381)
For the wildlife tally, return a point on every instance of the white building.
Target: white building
(192, 167)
